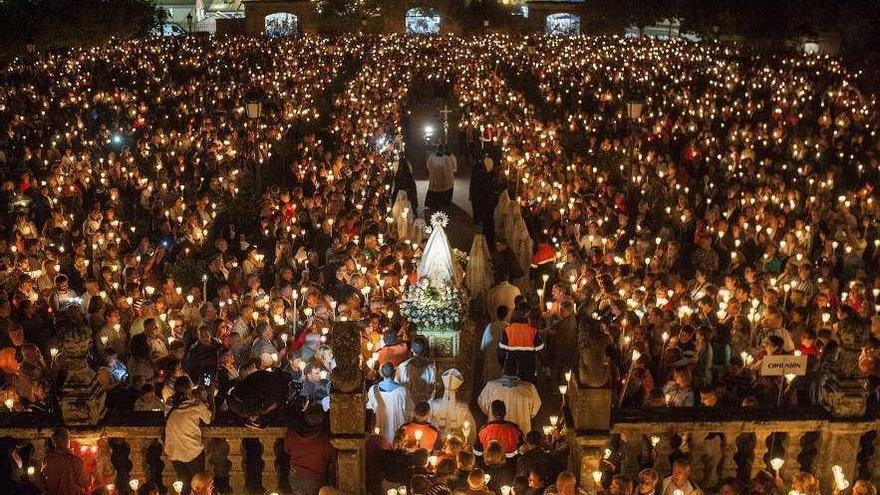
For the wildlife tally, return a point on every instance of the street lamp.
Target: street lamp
(253, 105)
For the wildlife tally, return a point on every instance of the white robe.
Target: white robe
(392, 409)
(449, 413)
(521, 399)
(419, 382)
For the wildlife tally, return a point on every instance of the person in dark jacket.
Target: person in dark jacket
(311, 455)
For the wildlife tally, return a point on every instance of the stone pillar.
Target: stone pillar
(792, 451)
(169, 475)
(586, 457)
(838, 445)
(348, 411)
(664, 449)
(136, 456)
(697, 447)
(761, 449)
(728, 466)
(236, 466)
(270, 473)
(875, 460)
(633, 445)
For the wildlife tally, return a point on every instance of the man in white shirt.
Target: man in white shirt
(417, 374)
(519, 396)
(183, 432)
(680, 480)
(441, 179)
(501, 294)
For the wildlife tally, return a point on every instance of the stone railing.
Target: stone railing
(737, 443)
(247, 460)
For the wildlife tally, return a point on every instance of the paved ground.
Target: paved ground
(426, 110)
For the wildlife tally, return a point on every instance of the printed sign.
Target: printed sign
(784, 365)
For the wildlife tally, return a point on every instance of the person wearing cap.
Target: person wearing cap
(450, 413)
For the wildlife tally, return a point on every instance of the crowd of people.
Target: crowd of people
(662, 217)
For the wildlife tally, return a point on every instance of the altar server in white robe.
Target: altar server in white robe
(418, 374)
(519, 396)
(391, 403)
(450, 414)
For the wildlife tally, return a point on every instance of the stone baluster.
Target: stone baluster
(792, 451)
(236, 466)
(663, 450)
(728, 467)
(169, 475)
(136, 456)
(633, 448)
(270, 472)
(696, 444)
(39, 454)
(874, 463)
(758, 463)
(838, 446)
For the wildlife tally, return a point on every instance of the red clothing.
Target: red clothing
(506, 433)
(64, 473)
(430, 435)
(811, 351)
(545, 254)
(310, 453)
(396, 354)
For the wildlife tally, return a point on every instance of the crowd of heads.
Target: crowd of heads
(705, 207)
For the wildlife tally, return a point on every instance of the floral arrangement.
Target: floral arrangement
(432, 308)
(460, 257)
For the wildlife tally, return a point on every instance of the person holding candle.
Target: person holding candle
(419, 432)
(63, 472)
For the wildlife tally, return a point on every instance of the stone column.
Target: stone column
(586, 457)
(169, 475)
(697, 441)
(236, 466)
(270, 472)
(664, 450)
(761, 449)
(875, 460)
(348, 411)
(839, 445)
(728, 466)
(792, 451)
(633, 448)
(136, 456)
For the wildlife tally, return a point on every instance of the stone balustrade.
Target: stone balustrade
(739, 443)
(248, 461)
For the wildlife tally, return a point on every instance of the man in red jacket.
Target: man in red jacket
(311, 454)
(64, 473)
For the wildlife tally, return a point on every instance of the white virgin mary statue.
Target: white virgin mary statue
(437, 264)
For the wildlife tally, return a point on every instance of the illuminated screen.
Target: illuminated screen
(422, 21)
(280, 24)
(563, 24)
